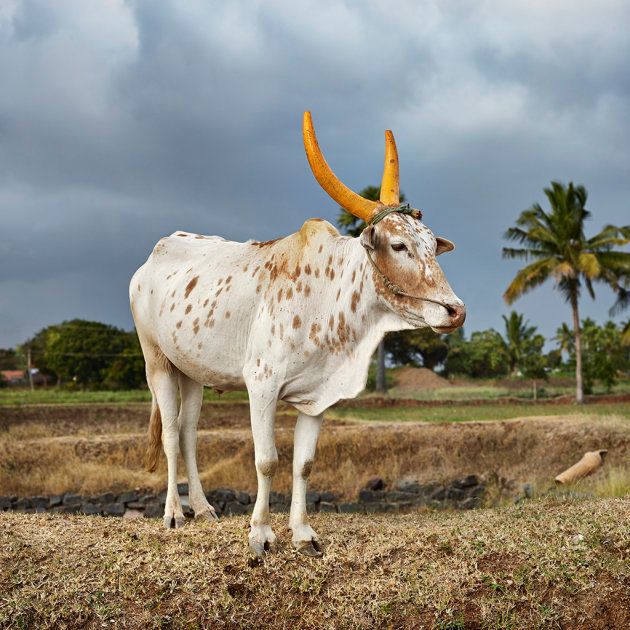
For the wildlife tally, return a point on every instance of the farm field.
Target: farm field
(541, 564)
(87, 449)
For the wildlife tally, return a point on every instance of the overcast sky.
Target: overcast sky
(121, 122)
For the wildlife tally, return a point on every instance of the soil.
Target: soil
(410, 380)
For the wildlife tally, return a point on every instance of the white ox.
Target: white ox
(296, 319)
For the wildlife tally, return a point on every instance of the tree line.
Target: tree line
(554, 246)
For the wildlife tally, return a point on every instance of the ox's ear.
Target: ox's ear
(368, 238)
(443, 245)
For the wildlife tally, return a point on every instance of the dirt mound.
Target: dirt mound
(410, 379)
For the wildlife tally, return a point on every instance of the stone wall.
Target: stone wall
(405, 495)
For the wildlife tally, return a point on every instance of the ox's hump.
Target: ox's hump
(313, 228)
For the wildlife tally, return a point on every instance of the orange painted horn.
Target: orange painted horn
(346, 198)
(390, 186)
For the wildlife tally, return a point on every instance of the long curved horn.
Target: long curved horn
(390, 186)
(353, 203)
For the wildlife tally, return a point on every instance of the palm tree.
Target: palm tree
(518, 335)
(353, 226)
(556, 243)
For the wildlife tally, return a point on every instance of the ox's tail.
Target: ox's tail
(154, 448)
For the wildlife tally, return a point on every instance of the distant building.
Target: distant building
(14, 377)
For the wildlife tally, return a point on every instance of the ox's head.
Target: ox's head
(401, 249)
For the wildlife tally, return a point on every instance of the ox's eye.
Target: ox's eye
(399, 247)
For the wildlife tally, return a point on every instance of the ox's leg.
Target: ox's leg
(304, 539)
(263, 415)
(164, 387)
(191, 394)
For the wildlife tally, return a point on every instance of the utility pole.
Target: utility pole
(28, 368)
(380, 368)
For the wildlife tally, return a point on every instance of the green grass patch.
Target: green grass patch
(52, 396)
(466, 413)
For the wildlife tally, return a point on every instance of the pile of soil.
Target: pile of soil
(410, 379)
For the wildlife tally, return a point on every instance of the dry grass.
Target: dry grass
(545, 564)
(97, 449)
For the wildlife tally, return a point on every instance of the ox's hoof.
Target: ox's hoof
(174, 522)
(208, 515)
(310, 548)
(259, 549)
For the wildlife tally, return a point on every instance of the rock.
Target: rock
(5, 503)
(312, 497)
(328, 497)
(466, 482)
(376, 483)
(455, 494)
(40, 509)
(395, 496)
(154, 510)
(369, 496)
(127, 497)
(24, 503)
(325, 506)
(107, 497)
(39, 502)
(469, 503)
(351, 508)
(182, 488)
(113, 509)
(276, 497)
(476, 491)
(234, 508)
(136, 505)
(132, 515)
(243, 497)
(147, 498)
(278, 508)
(438, 494)
(90, 508)
(311, 507)
(72, 499)
(225, 494)
(54, 500)
(408, 485)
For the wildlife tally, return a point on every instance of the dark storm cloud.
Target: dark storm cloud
(122, 122)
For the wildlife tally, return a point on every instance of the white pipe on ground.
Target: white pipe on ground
(586, 466)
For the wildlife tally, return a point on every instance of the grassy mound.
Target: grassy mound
(541, 564)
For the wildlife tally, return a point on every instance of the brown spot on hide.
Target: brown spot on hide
(354, 275)
(182, 234)
(332, 274)
(205, 303)
(172, 306)
(356, 297)
(179, 324)
(227, 314)
(307, 270)
(228, 280)
(306, 468)
(315, 329)
(258, 288)
(255, 271)
(258, 362)
(190, 286)
(245, 268)
(298, 287)
(196, 326)
(338, 294)
(220, 282)
(289, 293)
(331, 322)
(298, 272)
(273, 330)
(188, 309)
(321, 247)
(267, 469)
(218, 291)
(297, 322)
(307, 290)
(317, 273)
(279, 295)
(329, 263)
(173, 293)
(189, 270)
(265, 243)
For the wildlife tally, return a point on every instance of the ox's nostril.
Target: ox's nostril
(456, 311)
